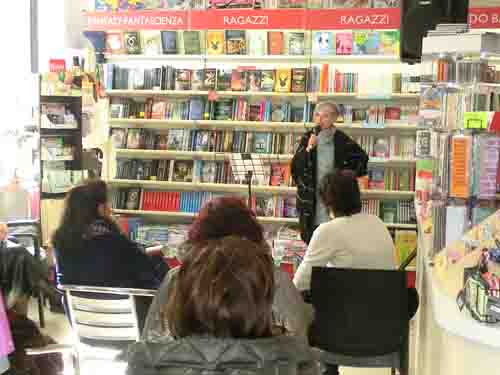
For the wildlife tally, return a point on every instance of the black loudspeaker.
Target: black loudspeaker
(420, 16)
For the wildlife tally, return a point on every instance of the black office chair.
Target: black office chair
(361, 317)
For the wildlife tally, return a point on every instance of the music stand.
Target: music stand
(252, 169)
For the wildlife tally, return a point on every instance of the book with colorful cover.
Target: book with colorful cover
(119, 137)
(264, 206)
(296, 44)
(389, 42)
(215, 42)
(183, 171)
(134, 138)
(202, 140)
(132, 42)
(151, 42)
(343, 43)
(262, 143)
(257, 40)
(169, 42)
(405, 242)
(209, 172)
(224, 79)
(192, 45)
(381, 148)
(175, 139)
(158, 110)
(239, 80)
(236, 42)
(267, 79)
(197, 78)
(114, 43)
(366, 42)
(183, 79)
(275, 42)
(323, 43)
(299, 79)
(196, 107)
(209, 79)
(376, 178)
(253, 79)
(280, 174)
(283, 81)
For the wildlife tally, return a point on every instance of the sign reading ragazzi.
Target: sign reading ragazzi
(324, 19)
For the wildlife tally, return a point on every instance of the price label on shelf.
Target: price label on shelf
(212, 96)
(312, 97)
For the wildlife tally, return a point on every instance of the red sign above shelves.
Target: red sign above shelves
(254, 19)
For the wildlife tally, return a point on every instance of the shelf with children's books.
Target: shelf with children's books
(266, 59)
(231, 94)
(253, 125)
(235, 188)
(217, 156)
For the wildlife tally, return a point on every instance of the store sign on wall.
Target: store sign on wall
(484, 18)
(252, 19)
(145, 20)
(249, 19)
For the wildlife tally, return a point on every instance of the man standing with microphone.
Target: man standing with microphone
(321, 151)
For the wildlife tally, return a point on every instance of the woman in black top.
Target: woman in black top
(91, 249)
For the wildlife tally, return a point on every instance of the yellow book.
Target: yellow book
(215, 42)
(405, 241)
(283, 81)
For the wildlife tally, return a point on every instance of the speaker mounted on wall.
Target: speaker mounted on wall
(420, 16)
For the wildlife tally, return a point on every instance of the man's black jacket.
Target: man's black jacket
(348, 155)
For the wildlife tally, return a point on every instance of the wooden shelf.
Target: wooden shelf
(287, 59)
(234, 188)
(265, 126)
(333, 95)
(204, 155)
(261, 219)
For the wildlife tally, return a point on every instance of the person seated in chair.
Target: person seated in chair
(91, 250)
(220, 315)
(218, 218)
(351, 239)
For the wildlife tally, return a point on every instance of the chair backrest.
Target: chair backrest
(104, 320)
(359, 312)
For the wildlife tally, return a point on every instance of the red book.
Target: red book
(324, 78)
(275, 42)
(156, 201)
(123, 224)
(145, 201)
(177, 201)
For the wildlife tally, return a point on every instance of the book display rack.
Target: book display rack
(458, 144)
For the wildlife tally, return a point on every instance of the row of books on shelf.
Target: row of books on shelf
(206, 141)
(448, 69)
(252, 110)
(204, 171)
(315, 79)
(132, 5)
(383, 178)
(391, 211)
(445, 109)
(253, 42)
(191, 202)
(400, 147)
(56, 149)
(466, 166)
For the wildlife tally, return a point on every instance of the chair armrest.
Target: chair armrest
(107, 290)
(49, 349)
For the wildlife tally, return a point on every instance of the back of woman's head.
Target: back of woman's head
(80, 211)
(339, 191)
(224, 290)
(225, 216)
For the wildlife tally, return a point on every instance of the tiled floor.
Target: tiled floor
(58, 328)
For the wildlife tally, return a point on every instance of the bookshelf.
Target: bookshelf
(394, 90)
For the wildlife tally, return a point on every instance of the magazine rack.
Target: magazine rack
(253, 169)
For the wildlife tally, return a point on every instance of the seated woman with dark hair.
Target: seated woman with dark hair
(222, 217)
(351, 239)
(91, 250)
(220, 314)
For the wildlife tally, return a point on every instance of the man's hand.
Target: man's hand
(311, 143)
